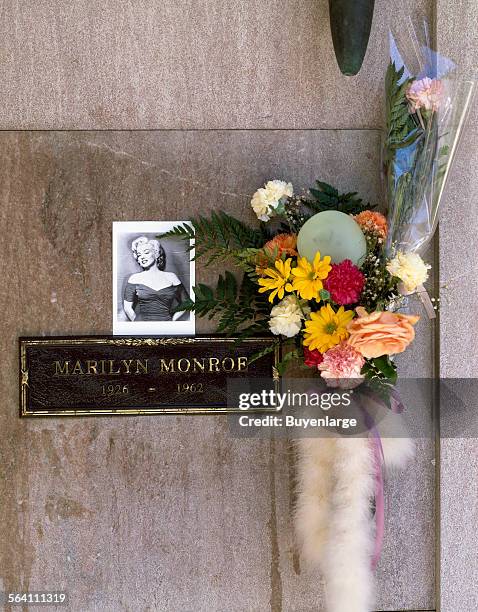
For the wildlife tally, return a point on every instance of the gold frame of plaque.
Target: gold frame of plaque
(80, 371)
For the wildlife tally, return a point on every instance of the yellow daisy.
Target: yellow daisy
(326, 328)
(309, 276)
(278, 280)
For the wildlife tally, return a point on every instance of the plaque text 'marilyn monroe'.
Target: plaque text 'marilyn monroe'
(114, 367)
(88, 376)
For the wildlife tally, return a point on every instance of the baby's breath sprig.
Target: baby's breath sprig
(380, 287)
(295, 214)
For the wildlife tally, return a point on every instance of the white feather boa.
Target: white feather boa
(334, 525)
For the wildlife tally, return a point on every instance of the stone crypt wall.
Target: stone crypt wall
(141, 111)
(458, 289)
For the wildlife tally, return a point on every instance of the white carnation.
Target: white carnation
(260, 205)
(410, 269)
(286, 317)
(267, 198)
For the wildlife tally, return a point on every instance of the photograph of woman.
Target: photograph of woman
(151, 279)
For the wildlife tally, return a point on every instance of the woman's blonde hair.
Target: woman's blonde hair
(159, 252)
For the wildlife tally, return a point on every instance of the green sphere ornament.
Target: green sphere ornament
(332, 233)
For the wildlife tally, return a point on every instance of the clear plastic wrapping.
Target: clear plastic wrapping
(427, 102)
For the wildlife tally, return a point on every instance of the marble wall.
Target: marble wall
(170, 513)
(192, 64)
(458, 290)
(162, 513)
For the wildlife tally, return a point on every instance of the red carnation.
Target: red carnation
(312, 359)
(345, 283)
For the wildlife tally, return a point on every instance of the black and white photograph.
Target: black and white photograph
(151, 278)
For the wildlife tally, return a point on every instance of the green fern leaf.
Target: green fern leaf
(328, 189)
(348, 203)
(217, 236)
(270, 348)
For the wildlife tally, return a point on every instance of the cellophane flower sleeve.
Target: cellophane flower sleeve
(427, 101)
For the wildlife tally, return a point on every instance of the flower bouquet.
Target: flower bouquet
(327, 274)
(314, 273)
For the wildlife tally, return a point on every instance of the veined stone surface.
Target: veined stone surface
(163, 513)
(459, 310)
(187, 64)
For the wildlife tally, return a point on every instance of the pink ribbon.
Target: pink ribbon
(379, 497)
(397, 407)
(396, 404)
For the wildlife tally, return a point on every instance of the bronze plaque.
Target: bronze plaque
(89, 376)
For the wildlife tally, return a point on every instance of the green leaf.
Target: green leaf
(239, 307)
(218, 237)
(324, 198)
(400, 122)
(270, 348)
(187, 305)
(387, 367)
(288, 357)
(381, 367)
(204, 292)
(230, 285)
(327, 197)
(324, 295)
(183, 231)
(250, 331)
(328, 189)
(381, 376)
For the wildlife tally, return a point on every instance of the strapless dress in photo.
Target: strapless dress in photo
(153, 304)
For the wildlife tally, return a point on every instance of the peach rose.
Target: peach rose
(381, 333)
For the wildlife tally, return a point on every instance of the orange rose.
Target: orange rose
(276, 247)
(381, 333)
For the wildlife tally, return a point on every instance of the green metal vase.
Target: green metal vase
(350, 24)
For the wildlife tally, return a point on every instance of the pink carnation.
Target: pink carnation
(345, 283)
(425, 93)
(341, 366)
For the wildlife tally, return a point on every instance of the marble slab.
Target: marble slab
(191, 64)
(162, 513)
(459, 350)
